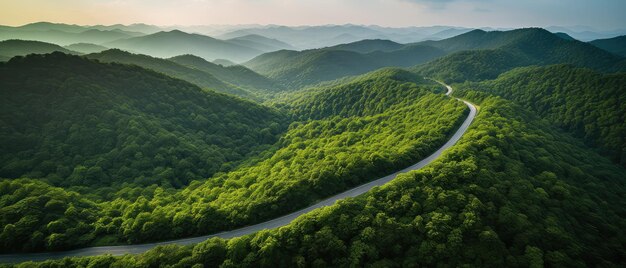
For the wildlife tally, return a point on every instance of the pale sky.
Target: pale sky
(601, 14)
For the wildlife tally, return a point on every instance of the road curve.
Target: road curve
(271, 224)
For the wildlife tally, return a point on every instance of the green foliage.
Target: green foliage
(296, 69)
(199, 77)
(615, 45)
(12, 48)
(317, 156)
(175, 42)
(514, 192)
(77, 122)
(235, 74)
(492, 53)
(590, 105)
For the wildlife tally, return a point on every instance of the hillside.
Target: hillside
(63, 34)
(198, 77)
(175, 42)
(324, 156)
(168, 131)
(616, 45)
(86, 48)
(300, 68)
(516, 192)
(492, 53)
(12, 48)
(260, 42)
(236, 75)
(588, 104)
(368, 46)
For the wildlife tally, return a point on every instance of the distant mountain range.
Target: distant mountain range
(479, 55)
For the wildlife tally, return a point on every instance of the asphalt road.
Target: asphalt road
(271, 224)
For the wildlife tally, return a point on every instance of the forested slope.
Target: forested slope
(71, 120)
(485, 55)
(514, 192)
(12, 48)
(313, 159)
(296, 69)
(198, 77)
(589, 104)
(236, 74)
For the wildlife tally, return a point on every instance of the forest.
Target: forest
(315, 157)
(586, 103)
(515, 192)
(120, 148)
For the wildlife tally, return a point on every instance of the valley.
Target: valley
(330, 145)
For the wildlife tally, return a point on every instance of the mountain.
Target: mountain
(311, 37)
(63, 34)
(370, 45)
(586, 103)
(136, 27)
(615, 45)
(159, 126)
(492, 53)
(12, 48)
(300, 68)
(586, 33)
(224, 62)
(198, 77)
(175, 42)
(515, 191)
(86, 48)
(260, 42)
(68, 120)
(236, 75)
(564, 36)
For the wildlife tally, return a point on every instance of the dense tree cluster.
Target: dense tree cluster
(480, 55)
(200, 78)
(515, 192)
(77, 122)
(320, 155)
(589, 104)
(296, 69)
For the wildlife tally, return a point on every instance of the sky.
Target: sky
(599, 14)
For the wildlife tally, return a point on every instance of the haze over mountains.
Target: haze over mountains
(123, 135)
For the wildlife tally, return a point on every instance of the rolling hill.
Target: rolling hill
(86, 48)
(63, 34)
(150, 119)
(480, 55)
(615, 45)
(368, 46)
(236, 75)
(12, 48)
(300, 68)
(198, 77)
(260, 42)
(175, 42)
(590, 105)
(168, 131)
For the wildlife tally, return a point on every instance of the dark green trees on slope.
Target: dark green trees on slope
(198, 77)
(615, 45)
(295, 69)
(590, 105)
(77, 122)
(313, 159)
(12, 48)
(480, 55)
(514, 192)
(236, 75)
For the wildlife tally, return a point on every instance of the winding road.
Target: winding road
(271, 224)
